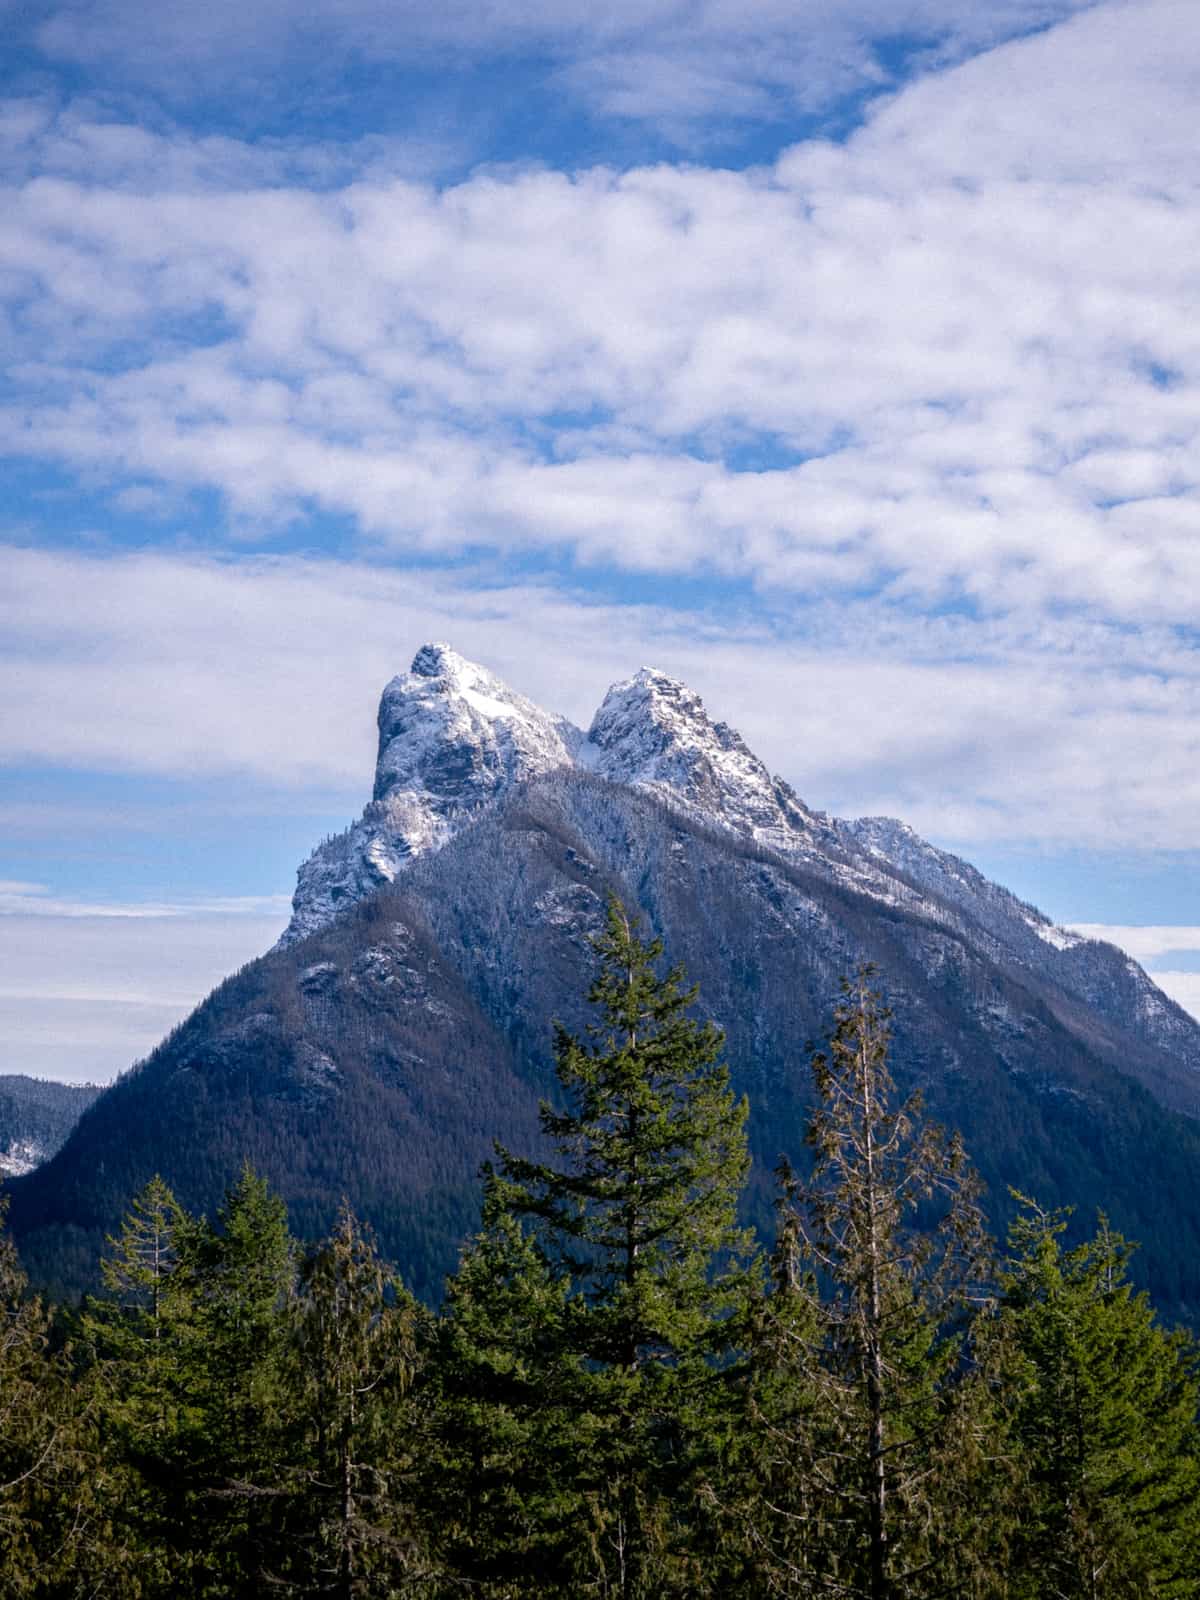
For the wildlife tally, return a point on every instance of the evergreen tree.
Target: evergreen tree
(46, 1511)
(356, 1334)
(240, 1274)
(770, 1505)
(507, 1428)
(870, 1416)
(189, 1343)
(1104, 1410)
(139, 1335)
(639, 1209)
(148, 1303)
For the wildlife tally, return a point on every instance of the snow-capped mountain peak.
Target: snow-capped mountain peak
(653, 732)
(455, 739)
(646, 724)
(454, 675)
(451, 730)
(452, 738)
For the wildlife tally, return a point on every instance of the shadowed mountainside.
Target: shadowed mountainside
(36, 1115)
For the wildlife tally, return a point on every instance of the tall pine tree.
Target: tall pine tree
(140, 1336)
(242, 1272)
(639, 1210)
(507, 1426)
(1103, 1404)
(355, 1331)
(870, 1412)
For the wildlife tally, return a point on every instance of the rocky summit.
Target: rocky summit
(454, 741)
(403, 1021)
(451, 738)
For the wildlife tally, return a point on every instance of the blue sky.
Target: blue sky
(848, 370)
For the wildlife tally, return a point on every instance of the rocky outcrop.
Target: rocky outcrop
(452, 738)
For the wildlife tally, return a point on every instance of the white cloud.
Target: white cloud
(81, 1041)
(1152, 945)
(267, 671)
(1183, 987)
(976, 324)
(680, 63)
(37, 900)
(83, 997)
(1144, 943)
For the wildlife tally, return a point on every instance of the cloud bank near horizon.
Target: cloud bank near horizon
(116, 987)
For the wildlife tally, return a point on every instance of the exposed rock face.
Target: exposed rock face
(452, 738)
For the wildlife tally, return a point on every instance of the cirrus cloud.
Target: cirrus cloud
(685, 66)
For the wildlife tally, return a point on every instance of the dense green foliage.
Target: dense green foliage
(637, 1215)
(620, 1396)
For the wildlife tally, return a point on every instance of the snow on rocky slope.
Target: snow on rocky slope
(35, 1118)
(452, 737)
(21, 1156)
(454, 741)
(1101, 975)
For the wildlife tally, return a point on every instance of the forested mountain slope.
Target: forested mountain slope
(35, 1117)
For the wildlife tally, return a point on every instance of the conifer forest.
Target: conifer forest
(624, 1392)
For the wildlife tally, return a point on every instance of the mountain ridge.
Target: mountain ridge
(453, 738)
(377, 1053)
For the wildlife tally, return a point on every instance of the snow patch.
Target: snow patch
(485, 704)
(1050, 933)
(320, 969)
(21, 1156)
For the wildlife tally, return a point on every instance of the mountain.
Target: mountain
(403, 1021)
(35, 1118)
(451, 738)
